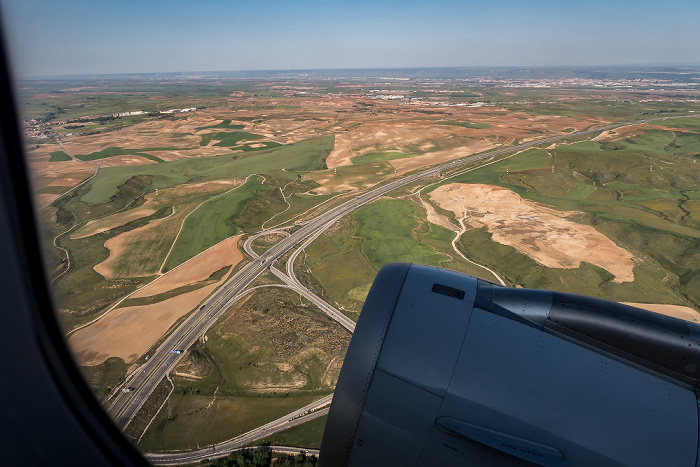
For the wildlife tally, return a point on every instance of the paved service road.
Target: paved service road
(125, 404)
(303, 415)
(293, 283)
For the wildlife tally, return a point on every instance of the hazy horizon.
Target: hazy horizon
(79, 37)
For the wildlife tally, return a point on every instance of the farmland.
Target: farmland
(170, 197)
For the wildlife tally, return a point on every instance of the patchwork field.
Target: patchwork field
(128, 332)
(614, 215)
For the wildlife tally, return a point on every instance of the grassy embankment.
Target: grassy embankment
(307, 435)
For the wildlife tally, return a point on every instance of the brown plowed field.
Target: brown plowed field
(129, 332)
(197, 269)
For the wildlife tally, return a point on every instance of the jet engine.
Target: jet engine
(448, 369)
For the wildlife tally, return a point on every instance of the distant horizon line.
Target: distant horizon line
(196, 73)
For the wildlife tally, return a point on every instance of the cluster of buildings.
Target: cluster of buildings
(39, 129)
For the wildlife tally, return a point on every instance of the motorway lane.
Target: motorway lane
(147, 377)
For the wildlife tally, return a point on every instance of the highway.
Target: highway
(126, 404)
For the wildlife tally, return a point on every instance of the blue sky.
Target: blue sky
(86, 37)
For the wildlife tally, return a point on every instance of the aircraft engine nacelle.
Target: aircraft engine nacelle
(448, 369)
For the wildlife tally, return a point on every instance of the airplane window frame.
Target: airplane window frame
(48, 415)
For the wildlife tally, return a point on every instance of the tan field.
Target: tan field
(413, 163)
(200, 267)
(141, 251)
(675, 311)
(404, 133)
(538, 231)
(69, 182)
(129, 332)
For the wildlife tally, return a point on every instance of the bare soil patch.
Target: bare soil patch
(417, 162)
(69, 182)
(541, 232)
(197, 269)
(129, 332)
(437, 218)
(675, 311)
(146, 245)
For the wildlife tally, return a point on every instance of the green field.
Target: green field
(380, 156)
(59, 156)
(293, 158)
(477, 126)
(212, 222)
(228, 139)
(224, 124)
(117, 151)
(386, 227)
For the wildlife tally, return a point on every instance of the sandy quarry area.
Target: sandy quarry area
(538, 231)
(130, 331)
(676, 311)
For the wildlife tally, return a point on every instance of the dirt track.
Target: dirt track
(538, 231)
